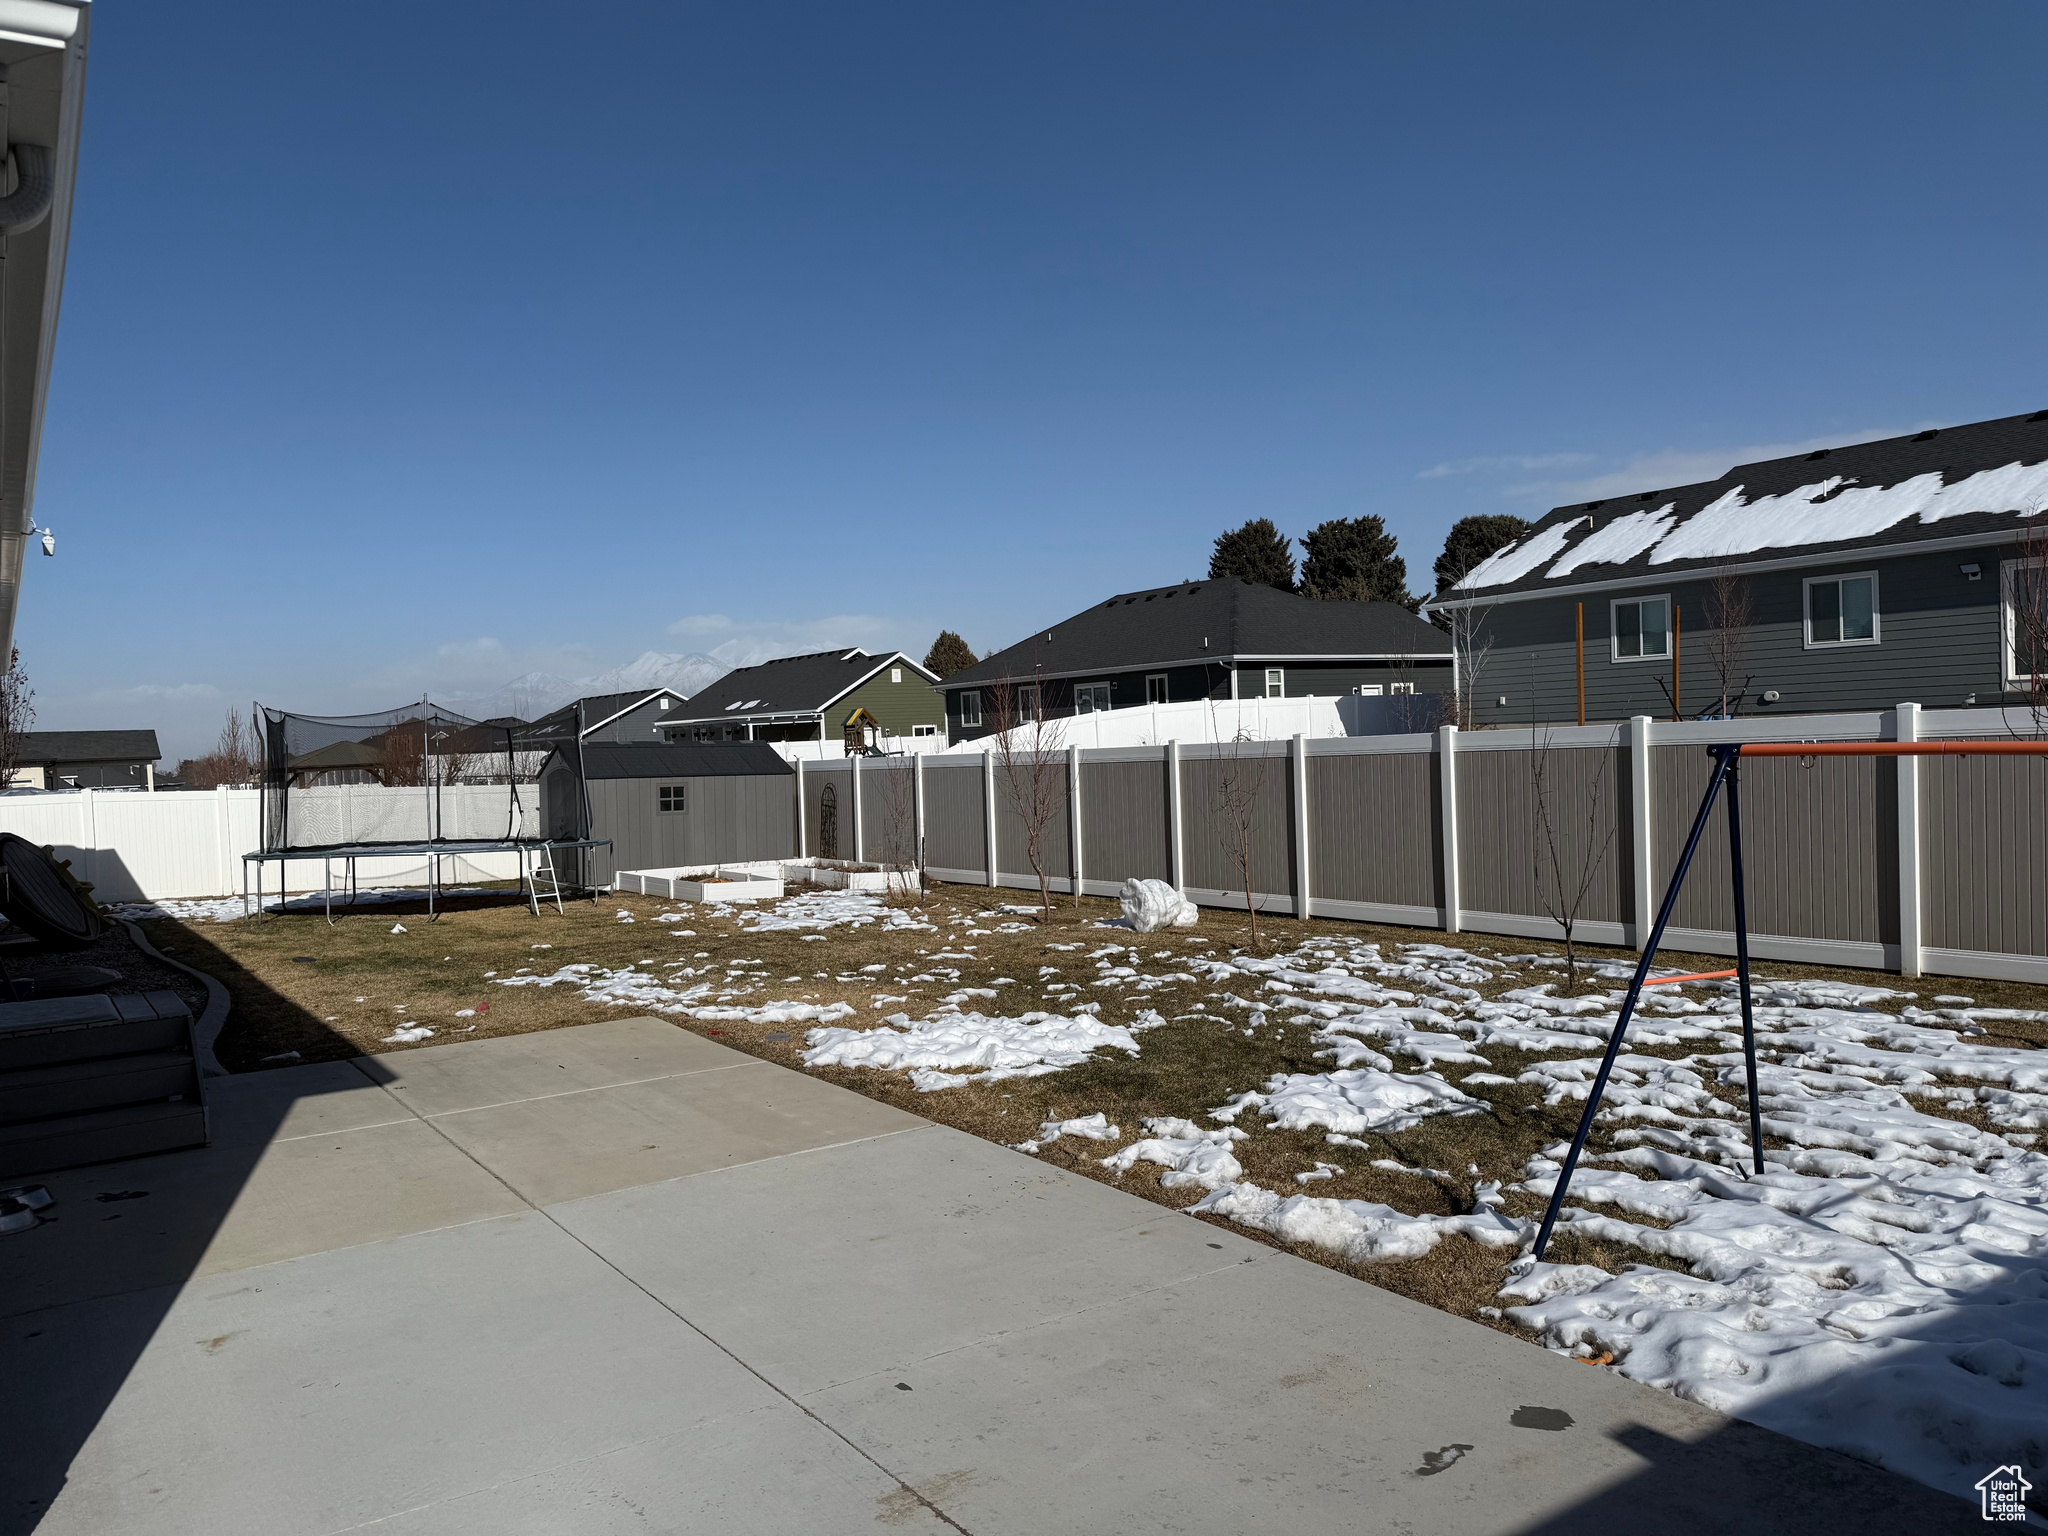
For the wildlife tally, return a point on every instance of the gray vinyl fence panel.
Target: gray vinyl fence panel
(1842, 868)
(828, 819)
(1540, 832)
(1233, 806)
(955, 819)
(1376, 822)
(888, 813)
(1124, 821)
(1819, 845)
(1984, 869)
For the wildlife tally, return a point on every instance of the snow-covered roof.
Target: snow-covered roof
(1988, 478)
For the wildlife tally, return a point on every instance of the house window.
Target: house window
(1155, 688)
(2025, 601)
(1369, 690)
(1090, 697)
(674, 797)
(1276, 683)
(1642, 628)
(1400, 687)
(665, 704)
(924, 730)
(1027, 702)
(970, 707)
(1842, 610)
(895, 674)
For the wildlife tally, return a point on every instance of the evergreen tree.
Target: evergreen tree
(1471, 540)
(1256, 552)
(1353, 559)
(949, 654)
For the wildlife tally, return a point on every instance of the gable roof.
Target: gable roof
(680, 760)
(792, 684)
(1950, 484)
(599, 709)
(1215, 620)
(40, 747)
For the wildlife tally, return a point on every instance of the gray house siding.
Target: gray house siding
(1939, 641)
(1330, 679)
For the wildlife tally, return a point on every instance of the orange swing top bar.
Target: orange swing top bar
(1895, 749)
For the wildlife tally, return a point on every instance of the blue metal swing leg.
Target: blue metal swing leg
(1724, 761)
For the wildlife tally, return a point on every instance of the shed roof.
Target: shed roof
(1944, 484)
(680, 760)
(41, 747)
(1219, 620)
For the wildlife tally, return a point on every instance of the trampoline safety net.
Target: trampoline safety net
(420, 774)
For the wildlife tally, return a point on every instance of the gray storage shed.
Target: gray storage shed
(688, 803)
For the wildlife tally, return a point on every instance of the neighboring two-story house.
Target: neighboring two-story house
(1852, 578)
(1222, 638)
(623, 718)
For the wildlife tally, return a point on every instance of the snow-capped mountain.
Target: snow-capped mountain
(533, 695)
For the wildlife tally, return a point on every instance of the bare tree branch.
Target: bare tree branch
(1565, 867)
(17, 718)
(1240, 777)
(1031, 766)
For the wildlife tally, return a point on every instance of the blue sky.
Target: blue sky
(411, 348)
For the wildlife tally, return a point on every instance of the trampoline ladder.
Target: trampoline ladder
(544, 867)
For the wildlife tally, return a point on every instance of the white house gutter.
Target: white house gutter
(60, 32)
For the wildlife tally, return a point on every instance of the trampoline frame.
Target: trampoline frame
(348, 853)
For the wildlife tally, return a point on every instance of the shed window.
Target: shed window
(1155, 688)
(674, 797)
(1842, 610)
(1276, 683)
(1642, 628)
(1090, 697)
(970, 707)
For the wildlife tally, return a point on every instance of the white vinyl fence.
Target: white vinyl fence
(136, 846)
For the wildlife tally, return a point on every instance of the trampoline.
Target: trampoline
(419, 782)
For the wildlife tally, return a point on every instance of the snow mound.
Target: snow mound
(950, 1049)
(1353, 1101)
(1150, 905)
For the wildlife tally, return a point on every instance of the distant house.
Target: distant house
(824, 696)
(87, 760)
(1217, 639)
(620, 717)
(1854, 578)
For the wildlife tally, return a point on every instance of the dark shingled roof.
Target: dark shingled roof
(597, 708)
(680, 760)
(41, 747)
(789, 684)
(1210, 620)
(1829, 485)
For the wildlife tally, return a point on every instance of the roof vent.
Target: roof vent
(1818, 453)
(1645, 496)
(2039, 416)
(1924, 437)
(1595, 506)
(1193, 590)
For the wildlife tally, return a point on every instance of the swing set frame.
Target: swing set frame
(1728, 758)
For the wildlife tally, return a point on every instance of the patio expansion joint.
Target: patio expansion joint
(801, 1407)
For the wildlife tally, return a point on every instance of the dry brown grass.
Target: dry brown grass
(358, 979)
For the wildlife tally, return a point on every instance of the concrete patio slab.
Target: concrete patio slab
(160, 1220)
(321, 1394)
(567, 1145)
(254, 1109)
(440, 1079)
(856, 1259)
(731, 1297)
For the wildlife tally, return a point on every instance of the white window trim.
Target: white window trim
(1109, 692)
(1806, 611)
(924, 730)
(970, 709)
(895, 676)
(1663, 657)
(1276, 675)
(1164, 689)
(2007, 569)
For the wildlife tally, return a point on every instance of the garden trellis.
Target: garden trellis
(1727, 758)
